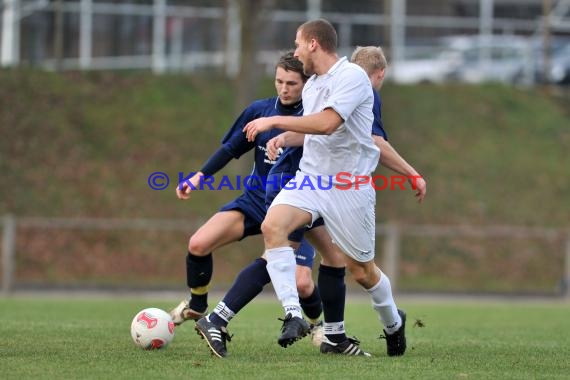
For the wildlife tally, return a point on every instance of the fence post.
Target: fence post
(158, 37)
(392, 253)
(10, 52)
(566, 278)
(8, 252)
(86, 34)
(232, 54)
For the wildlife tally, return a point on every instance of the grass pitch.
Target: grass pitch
(54, 338)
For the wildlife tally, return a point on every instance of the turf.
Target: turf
(89, 338)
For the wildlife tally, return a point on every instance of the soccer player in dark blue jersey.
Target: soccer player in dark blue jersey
(243, 216)
(253, 278)
(373, 61)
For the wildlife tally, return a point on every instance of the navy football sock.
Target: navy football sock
(198, 276)
(333, 295)
(248, 284)
(312, 305)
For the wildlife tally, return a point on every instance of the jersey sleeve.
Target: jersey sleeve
(377, 124)
(235, 141)
(352, 88)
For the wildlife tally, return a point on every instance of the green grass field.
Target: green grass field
(74, 338)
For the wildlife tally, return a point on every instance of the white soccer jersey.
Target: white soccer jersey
(345, 88)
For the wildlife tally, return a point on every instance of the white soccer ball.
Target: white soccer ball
(152, 329)
(317, 334)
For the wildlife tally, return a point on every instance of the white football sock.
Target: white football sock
(281, 267)
(334, 328)
(224, 312)
(384, 304)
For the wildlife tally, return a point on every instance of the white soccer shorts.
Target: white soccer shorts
(349, 215)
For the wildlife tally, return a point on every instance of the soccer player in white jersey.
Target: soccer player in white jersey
(337, 121)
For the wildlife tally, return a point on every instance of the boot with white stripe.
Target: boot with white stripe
(348, 347)
(215, 336)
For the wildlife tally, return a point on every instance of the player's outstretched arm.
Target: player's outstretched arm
(321, 123)
(391, 159)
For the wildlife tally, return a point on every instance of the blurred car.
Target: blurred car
(558, 71)
(496, 58)
(432, 64)
(560, 67)
(471, 59)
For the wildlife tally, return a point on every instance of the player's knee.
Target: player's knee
(305, 286)
(198, 246)
(272, 230)
(267, 228)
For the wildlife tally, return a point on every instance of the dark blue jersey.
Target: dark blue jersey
(284, 169)
(236, 144)
(288, 161)
(377, 125)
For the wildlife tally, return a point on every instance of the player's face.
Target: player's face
(302, 50)
(289, 86)
(377, 78)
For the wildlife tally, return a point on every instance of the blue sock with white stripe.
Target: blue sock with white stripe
(247, 285)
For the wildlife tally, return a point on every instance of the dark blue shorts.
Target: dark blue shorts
(305, 254)
(254, 215)
(253, 210)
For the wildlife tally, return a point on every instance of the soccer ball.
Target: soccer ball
(317, 333)
(152, 329)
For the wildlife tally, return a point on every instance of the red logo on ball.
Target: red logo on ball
(151, 322)
(156, 344)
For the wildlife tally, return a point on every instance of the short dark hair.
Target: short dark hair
(322, 31)
(288, 62)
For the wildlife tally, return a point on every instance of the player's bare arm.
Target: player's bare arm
(185, 187)
(391, 159)
(321, 123)
(286, 139)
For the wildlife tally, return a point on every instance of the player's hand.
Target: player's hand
(275, 147)
(255, 127)
(185, 187)
(419, 184)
